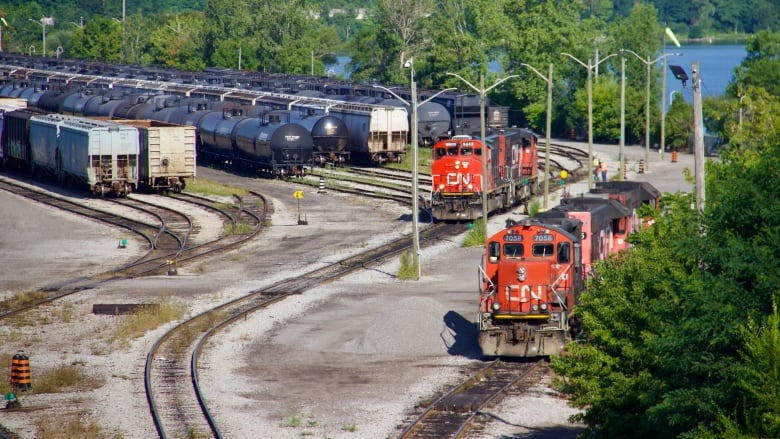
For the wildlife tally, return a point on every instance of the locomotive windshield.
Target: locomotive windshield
(441, 152)
(465, 150)
(513, 250)
(542, 250)
(564, 252)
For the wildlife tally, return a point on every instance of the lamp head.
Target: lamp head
(679, 73)
(408, 64)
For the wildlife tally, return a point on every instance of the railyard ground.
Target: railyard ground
(348, 360)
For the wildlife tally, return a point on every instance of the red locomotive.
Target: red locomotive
(534, 270)
(512, 174)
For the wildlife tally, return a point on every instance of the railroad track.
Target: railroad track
(166, 240)
(456, 413)
(395, 184)
(171, 376)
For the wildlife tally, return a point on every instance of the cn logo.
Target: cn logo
(456, 179)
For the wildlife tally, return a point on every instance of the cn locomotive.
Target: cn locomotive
(458, 183)
(534, 270)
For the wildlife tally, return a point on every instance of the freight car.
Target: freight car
(76, 150)
(377, 133)
(534, 270)
(433, 121)
(458, 184)
(330, 137)
(15, 138)
(166, 156)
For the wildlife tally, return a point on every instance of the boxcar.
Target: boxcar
(166, 155)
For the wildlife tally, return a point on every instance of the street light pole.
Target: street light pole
(648, 64)
(482, 92)
(548, 79)
(415, 202)
(590, 66)
(622, 114)
(415, 179)
(44, 21)
(124, 36)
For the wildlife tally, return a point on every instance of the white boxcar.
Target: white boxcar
(378, 133)
(166, 155)
(77, 150)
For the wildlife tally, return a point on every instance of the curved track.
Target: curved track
(167, 240)
(173, 392)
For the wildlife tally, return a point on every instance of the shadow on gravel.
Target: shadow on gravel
(462, 339)
(545, 433)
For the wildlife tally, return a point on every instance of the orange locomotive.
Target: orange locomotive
(534, 270)
(458, 182)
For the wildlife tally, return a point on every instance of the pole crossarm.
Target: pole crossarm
(405, 102)
(538, 73)
(476, 89)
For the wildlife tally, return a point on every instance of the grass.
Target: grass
(351, 427)
(534, 208)
(21, 299)
(65, 377)
(477, 236)
(49, 428)
(208, 187)
(240, 228)
(145, 319)
(408, 269)
(424, 161)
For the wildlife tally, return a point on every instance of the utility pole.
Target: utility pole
(698, 137)
(622, 113)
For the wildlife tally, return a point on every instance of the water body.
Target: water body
(716, 64)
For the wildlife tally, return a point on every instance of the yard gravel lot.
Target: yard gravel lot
(349, 359)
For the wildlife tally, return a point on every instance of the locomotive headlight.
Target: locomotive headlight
(496, 306)
(535, 307)
(544, 307)
(471, 187)
(441, 186)
(521, 274)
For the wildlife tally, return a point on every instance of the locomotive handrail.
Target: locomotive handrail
(558, 280)
(491, 288)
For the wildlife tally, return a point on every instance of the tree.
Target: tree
(179, 43)
(679, 124)
(761, 65)
(380, 51)
(100, 40)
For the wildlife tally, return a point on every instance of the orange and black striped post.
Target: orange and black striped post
(20, 372)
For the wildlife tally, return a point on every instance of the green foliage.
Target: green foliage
(477, 235)
(760, 67)
(681, 339)
(679, 124)
(409, 266)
